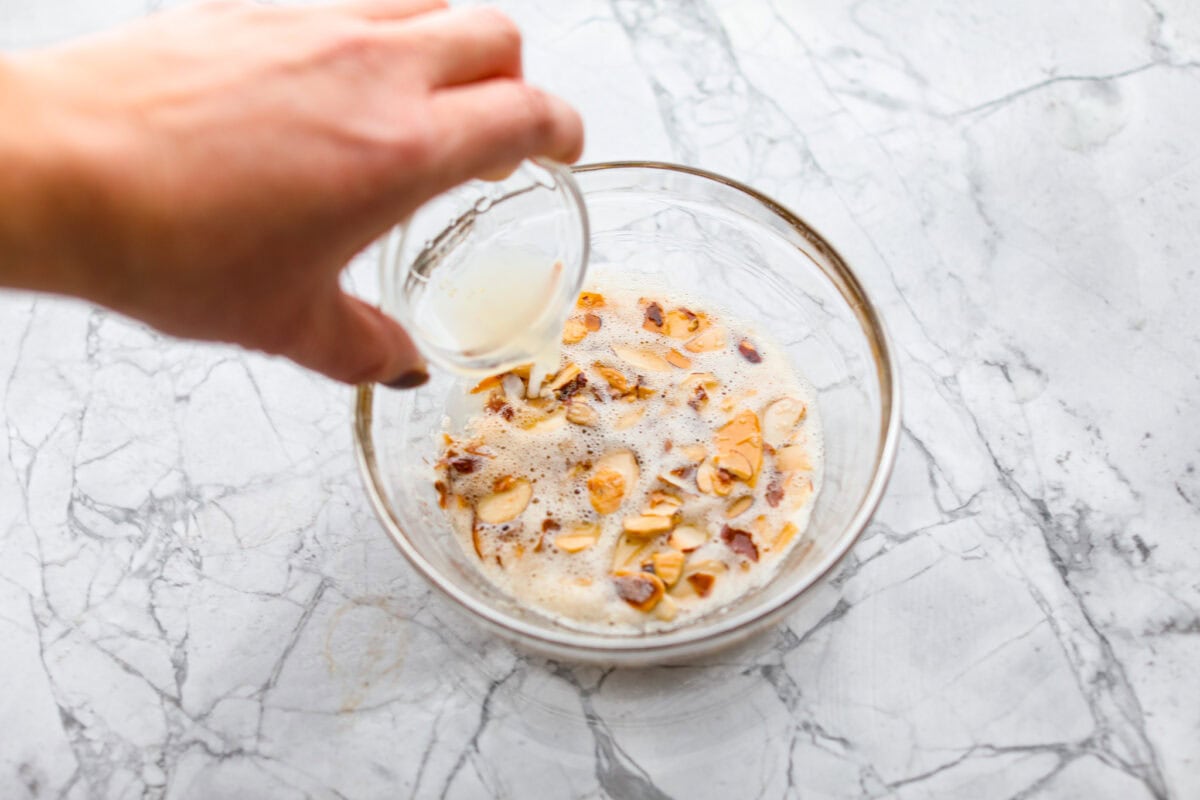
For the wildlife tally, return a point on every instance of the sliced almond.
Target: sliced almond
(614, 377)
(642, 590)
(792, 457)
(653, 320)
(666, 609)
(580, 413)
(694, 452)
(712, 480)
(678, 481)
(678, 359)
(680, 323)
(740, 542)
(668, 565)
(564, 376)
(694, 390)
(739, 446)
(592, 322)
(797, 490)
(615, 476)
(644, 360)
(606, 490)
(548, 423)
(647, 525)
(738, 506)
(687, 538)
(630, 418)
(707, 341)
(779, 420)
(701, 583)
(574, 331)
(487, 384)
(476, 541)
(784, 538)
(505, 504)
(629, 551)
(590, 300)
(749, 352)
(624, 462)
(662, 504)
(578, 537)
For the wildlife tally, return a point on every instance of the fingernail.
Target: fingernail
(409, 380)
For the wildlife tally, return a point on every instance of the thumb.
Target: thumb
(354, 342)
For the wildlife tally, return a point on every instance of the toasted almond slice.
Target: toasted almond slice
(578, 537)
(476, 541)
(694, 452)
(784, 538)
(739, 446)
(580, 413)
(779, 420)
(677, 481)
(592, 322)
(630, 418)
(614, 377)
(712, 480)
(562, 378)
(687, 538)
(680, 323)
(574, 331)
(590, 300)
(642, 590)
(735, 464)
(666, 609)
(798, 490)
(668, 565)
(644, 360)
(678, 359)
(749, 352)
(616, 474)
(738, 506)
(629, 551)
(606, 490)
(647, 525)
(662, 504)
(624, 462)
(792, 457)
(707, 341)
(653, 320)
(505, 504)
(710, 565)
(740, 542)
(549, 423)
(701, 583)
(487, 384)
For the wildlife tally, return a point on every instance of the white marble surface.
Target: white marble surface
(196, 602)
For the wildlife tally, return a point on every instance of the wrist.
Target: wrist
(36, 247)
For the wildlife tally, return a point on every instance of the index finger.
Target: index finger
(388, 9)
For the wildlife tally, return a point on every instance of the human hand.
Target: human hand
(210, 170)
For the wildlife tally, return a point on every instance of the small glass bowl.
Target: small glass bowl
(720, 240)
(535, 217)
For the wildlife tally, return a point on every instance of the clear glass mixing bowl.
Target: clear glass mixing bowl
(717, 239)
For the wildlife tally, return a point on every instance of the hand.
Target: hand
(210, 170)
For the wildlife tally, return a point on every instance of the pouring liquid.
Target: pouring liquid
(499, 301)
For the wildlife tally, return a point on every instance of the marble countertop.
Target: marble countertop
(196, 601)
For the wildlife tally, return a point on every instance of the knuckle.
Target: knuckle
(502, 25)
(535, 107)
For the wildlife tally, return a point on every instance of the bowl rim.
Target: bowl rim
(720, 630)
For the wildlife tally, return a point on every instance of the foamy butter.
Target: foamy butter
(724, 436)
(498, 301)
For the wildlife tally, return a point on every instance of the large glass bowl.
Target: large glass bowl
(723, 241)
